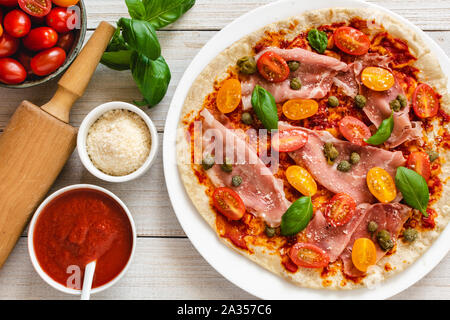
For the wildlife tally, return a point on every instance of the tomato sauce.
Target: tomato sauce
(78, 227)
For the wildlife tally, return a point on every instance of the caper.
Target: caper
(247, 65)
(207, 162)
(433, 155)
(372, 226)
(410, 234)
(296, 84)
(236, 181)
(330, 151)
(402, 99)
(354, 158)
(395, 105)
(360, 101)
(247, 118)
(384, 240)
(333, 101)
(270, 232)
(344, 166)
(293, 65)
(226, 166)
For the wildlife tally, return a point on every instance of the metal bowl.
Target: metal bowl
(77, 45)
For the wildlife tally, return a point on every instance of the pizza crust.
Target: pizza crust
(217, 70)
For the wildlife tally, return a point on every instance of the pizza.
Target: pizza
(317, 147)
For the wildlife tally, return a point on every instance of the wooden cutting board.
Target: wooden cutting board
(37, 142)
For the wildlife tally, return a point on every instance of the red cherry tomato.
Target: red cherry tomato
(354, 130)
(420, 163)
(425, 101)
(351, 41)
(40, 38)
(228, 202)
(65, 41)
(61, 19)
(48, 61)
(1, 29)
(17, 23)
(8, 3)
(308, 255)
(273, 67)
(25, 59)
(36, 8)
(8, 45)
(340, 209)
(65, 3)
(289, 140)
(11, 71)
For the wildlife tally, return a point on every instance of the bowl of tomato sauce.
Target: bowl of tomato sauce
(76, 225)
(39, 39)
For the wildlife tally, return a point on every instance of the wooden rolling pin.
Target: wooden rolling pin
(37, 142)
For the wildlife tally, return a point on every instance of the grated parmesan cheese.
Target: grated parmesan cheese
(118, 143)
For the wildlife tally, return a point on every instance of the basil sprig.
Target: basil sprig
(135, 45)
(297, 217)
(414, 189)
(384, 131)
(318, 40)
(265, 107)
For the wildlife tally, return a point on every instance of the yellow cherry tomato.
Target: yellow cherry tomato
(364, 254)
(377, 79)
(229, 96)
(381, 184)
(297, 109)
(65, 3)
(301, 180)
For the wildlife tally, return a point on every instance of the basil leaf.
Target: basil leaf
(318, 40)
(140, 36)
(297, 217)
(161, 13)
(414, 189)
(117, 60)
(384, 131)
(265, 107)
(151, 76)
(117, 42)
(136, 9)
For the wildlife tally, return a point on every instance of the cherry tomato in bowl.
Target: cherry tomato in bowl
(354, 130)
(11, 71)
(8, 45)
(40, 38)
(308, 255)
(36, 8)
(48, 61)
(65, 41)
(425, 101)
(62, 20)
(65, 3)
(273, 67)
(17, 23)
(340, 209)
(8, 3)
(351, 41)
(228, 203)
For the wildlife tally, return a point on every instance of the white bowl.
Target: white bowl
(32, 253)
(91, 118)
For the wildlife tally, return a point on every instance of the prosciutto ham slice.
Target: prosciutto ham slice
(332, 240)
(353, 183)
(261, 192)
(316, 73)
(390, 217)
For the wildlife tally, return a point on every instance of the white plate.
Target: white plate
(233, 266)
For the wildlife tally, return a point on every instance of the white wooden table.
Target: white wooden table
(166, 265)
